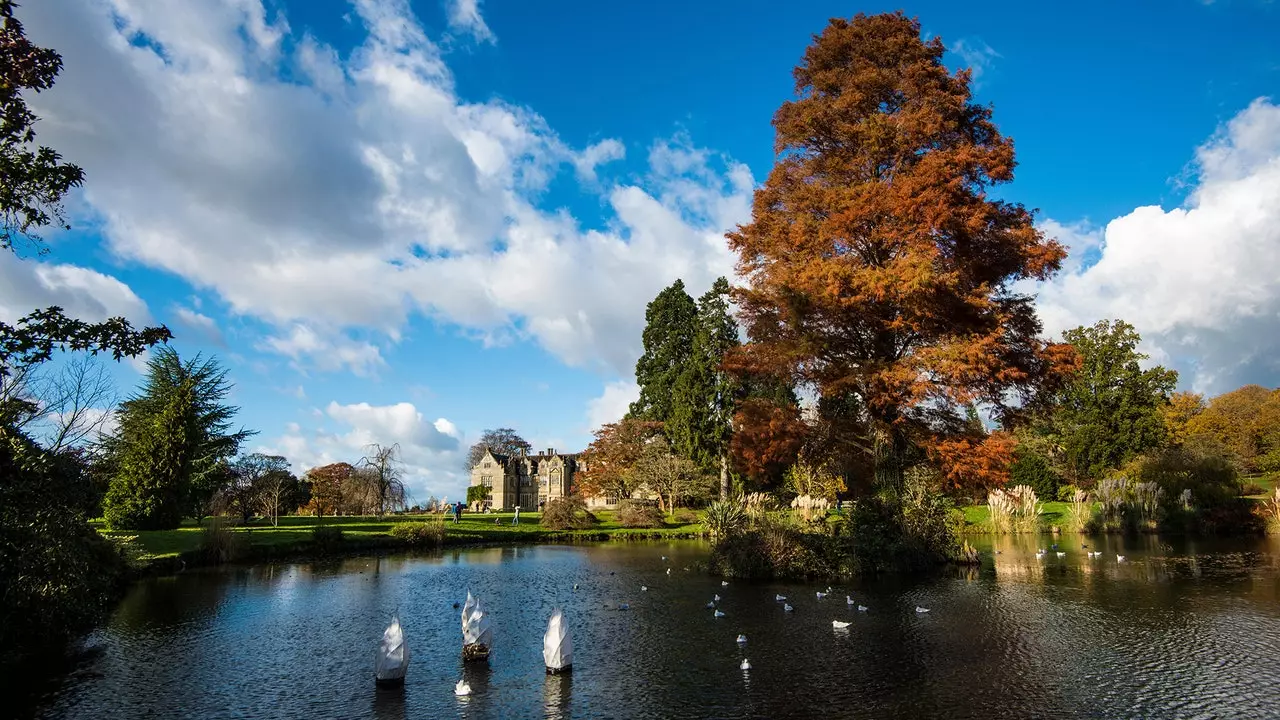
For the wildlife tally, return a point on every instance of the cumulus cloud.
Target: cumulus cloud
(198, 324)
(430, 450)
(612, 404)
(1197, 281)
(82, 293)
(338, 203)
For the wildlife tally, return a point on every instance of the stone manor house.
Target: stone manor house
(527, 480)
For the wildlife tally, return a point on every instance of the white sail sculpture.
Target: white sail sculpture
(477, 636)
(557, 646)
(393, 655)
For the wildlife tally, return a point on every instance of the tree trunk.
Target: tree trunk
(890, 448)
(724, 476)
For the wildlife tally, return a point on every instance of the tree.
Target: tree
(33, 180)
(213, 440)
(672, 477)
(705, 396)
(1244, 423)
(611, 458)
(70, 406)
(671, 321)
(1177, 415)
(501, 441)
(878, 264)
(1112, 409)
(975, 461)
(476, 494)
(259, 482)
(155, 467)
(328, 486)
(816, 481)
(384, 465)
(768, 439)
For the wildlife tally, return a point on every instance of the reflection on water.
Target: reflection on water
(1179, 629)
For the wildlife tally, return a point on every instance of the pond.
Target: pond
(1186, 630)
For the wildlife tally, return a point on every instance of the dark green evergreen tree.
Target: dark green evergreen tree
(212, 441)
(705, 396)
(671, 321)
(150, 485)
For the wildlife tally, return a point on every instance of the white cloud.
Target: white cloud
(612, 404)
(201, 325)
(339, 204)
(1199, 281)
(82, 293)
(977, 55)
(430, 450)
(465, 15)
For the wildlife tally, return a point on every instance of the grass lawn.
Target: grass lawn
(977, 517)
(474, 528)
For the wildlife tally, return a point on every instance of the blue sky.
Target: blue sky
(409, 224)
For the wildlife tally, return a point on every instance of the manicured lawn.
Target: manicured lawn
(976, 517)
(474, 528)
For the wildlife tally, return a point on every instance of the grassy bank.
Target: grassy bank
(294, 536)
(977, 518)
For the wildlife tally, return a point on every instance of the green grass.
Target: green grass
(978, 517)
(474, 528)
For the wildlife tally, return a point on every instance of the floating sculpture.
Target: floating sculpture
(557, 646)
(393, 655)
(477, 636)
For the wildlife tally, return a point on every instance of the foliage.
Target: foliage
(500, 441)
(838, 438)
(329, 487)
(326, 537)
(1272, 512)
(757, 504)
(1014, 510)
(569, 513)
(1112, 409)
(1177, 415)
(1067, 493)
(155, 466)
(1212, 479)
(1244, 424)
(768, 439)
(805, 478)
(725, 517)
(975, 462)
(58, 576)
(219, 543)
(635, 513)
(475, 494)
(878, 262)
(776, 548)
(210, 440)
(1080, 508)
(33, 180)
(671, 321)
(66, 405)
(705, 396)
(673, 478)
(611, 458)
(1032, 469)
(421, 534)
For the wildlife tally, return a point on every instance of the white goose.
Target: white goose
(839, 625)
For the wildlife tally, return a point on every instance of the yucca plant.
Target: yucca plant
(725, 517)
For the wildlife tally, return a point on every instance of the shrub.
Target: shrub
(1032, 469)
(1067, 493)
(725, 518)
(778, 548)
(420, 534)
(219, 543)
(326, 537)
(639, 514)
(1252, 488)
(569, 513)
(684, 516)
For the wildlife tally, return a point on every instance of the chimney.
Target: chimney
(551, 451)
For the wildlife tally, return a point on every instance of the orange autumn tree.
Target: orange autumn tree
(877, 265)
(611, 458)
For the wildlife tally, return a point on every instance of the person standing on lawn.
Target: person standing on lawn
(516, 520)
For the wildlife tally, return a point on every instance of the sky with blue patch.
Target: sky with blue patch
(409, 223)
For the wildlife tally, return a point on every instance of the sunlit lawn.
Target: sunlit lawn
(977, 517)
(474, 527)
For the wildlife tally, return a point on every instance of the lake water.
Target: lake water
(1183, 631)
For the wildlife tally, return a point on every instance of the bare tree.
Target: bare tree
(275, 488)
(66, 406)
(384, 464)
(669, 476)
